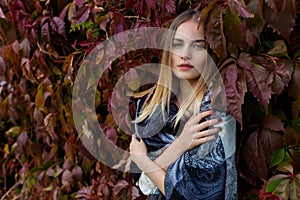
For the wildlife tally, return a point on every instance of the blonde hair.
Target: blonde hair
(165, 84)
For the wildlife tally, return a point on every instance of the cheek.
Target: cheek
(174, 60)
(201, 59)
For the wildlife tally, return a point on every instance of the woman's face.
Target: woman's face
(189, 55)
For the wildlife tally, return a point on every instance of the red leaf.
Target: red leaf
(214, 32)
(21, 141)
(271, 142)
(282, 75)
(239, 7)
(286, 17)
(83, 14)
(77, 173)
(296, 107)
(283, 5)
(58, 25)
(170, 5)
(66, 177)
(254, 155)
(151, 3)
(111, 135)
(2, 14)
(79, 3)
(292, 136)
(256, 24)
(45, 31)
(273, 123)
(38, 7)
(25, 46)
(295, 81)
(121, 184)
(257, 79)
(235, 87)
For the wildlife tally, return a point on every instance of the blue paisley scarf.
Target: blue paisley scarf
(205, 172)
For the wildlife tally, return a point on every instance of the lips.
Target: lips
(185, 67)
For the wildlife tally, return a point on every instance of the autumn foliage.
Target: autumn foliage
(43, 44)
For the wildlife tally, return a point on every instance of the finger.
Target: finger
(200, 116)
(208, 123)
(207, 133)
(133, 138)
(204, 140)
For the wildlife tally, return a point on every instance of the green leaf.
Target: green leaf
(233, 28)
(272, 185)
(278, 157)
(49, 188)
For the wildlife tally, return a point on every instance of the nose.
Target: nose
(186, 54)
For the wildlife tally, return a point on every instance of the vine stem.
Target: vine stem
(10, 189)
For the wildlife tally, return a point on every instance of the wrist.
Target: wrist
(143, 162)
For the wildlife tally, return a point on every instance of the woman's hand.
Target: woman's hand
(195, 133)
(138, 150)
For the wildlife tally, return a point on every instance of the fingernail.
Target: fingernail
(220, 129)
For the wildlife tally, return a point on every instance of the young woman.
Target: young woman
(185, 150)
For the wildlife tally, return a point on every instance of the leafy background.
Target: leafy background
(44, 42)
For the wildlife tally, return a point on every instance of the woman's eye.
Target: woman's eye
(177, 44)
(198, 46)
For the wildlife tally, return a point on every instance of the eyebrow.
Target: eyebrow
(193, 41)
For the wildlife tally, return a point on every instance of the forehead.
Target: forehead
(189, 30)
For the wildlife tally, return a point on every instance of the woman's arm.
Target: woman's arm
(138, 154)
(193, 134)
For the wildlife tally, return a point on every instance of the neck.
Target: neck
(186, 88)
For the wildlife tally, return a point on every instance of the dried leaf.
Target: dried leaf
(14, 131)
(295, 188)
(283, 189)
(279, 48)
(39, 97)
(286, 168)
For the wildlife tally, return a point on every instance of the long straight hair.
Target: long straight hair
(165, 84)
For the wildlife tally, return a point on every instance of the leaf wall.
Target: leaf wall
(43, 44)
